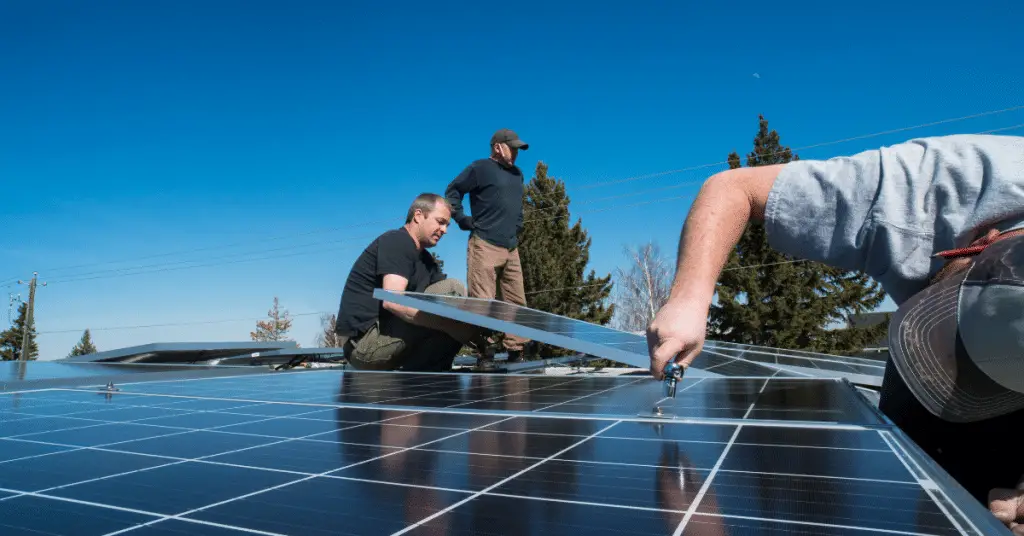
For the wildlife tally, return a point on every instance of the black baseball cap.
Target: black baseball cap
(509, 138)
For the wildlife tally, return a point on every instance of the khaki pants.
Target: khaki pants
(392, 343)
(493, 272)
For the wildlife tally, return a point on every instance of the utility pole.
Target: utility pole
(29, 315)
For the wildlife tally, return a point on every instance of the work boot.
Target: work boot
(482, 345)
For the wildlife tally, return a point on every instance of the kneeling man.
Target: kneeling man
(387, 336)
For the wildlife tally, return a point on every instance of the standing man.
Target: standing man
(939, 222)
(388, 336)
(495, 187)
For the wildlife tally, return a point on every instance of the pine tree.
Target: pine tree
(275, 329)
(555, 255)
(84, 346)
(438, 260)
(785, 302)
(11, 340)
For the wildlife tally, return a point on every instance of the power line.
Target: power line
(120, 271)
(319, 245)
(223, 246)
(249, 319)
(172, 324)
(589, 186)
(816, 145)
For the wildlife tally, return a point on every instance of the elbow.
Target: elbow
(742, 189)
(725, 191)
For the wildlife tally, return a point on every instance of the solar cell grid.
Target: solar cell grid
(778, 398)
(129, 463)
(821, 362)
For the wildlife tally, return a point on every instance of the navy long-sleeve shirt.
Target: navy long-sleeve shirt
(495, 199)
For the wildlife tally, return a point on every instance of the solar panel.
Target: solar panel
(329, 452)
(20, 375)
(860, 370)
(728, 398)
(180, 352)
(623, 347)
(566, 332)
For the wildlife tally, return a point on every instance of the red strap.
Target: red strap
(978, 246)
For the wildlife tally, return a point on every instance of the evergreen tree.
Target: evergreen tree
(785, 302)
(11, 340)
(275, 329)
(555, 255)
(84, 346)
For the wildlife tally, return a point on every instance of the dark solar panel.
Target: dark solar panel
(821, 363)
(22, 375)
(593, 339)
(206, 464)
(719, 359)
(776, 398)
(724, 365)
(329, 452)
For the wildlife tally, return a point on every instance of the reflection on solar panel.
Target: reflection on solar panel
(181, 352)
(20, 375)
(330, 451)
(718, 359)
(569, 333)
(859, 371)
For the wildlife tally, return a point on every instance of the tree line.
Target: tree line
(762, 297)
(13, 339)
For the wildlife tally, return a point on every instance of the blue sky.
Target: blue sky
(171, 134)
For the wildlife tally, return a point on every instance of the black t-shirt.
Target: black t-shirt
(393, 252)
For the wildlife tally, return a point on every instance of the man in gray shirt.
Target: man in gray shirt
(939, 222)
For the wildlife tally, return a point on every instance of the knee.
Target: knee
(449, 287)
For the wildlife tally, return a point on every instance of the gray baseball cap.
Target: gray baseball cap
(959, 344)
(509, 138)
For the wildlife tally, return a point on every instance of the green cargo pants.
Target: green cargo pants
(393, 344)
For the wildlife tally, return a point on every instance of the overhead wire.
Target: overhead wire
(120, 272)
(170, 324)
(78, 277)
(249, 319)
(816, 145)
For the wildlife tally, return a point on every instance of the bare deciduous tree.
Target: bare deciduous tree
(328, 338)
(642, 288)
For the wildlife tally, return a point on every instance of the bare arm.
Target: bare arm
(724, 206)
(397, 283)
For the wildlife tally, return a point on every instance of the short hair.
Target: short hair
(425, 203)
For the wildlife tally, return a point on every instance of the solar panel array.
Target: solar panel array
(718, 358)
(343, 452)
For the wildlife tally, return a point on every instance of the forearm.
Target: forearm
(421, 318)
(717, 219)
(407, 314)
